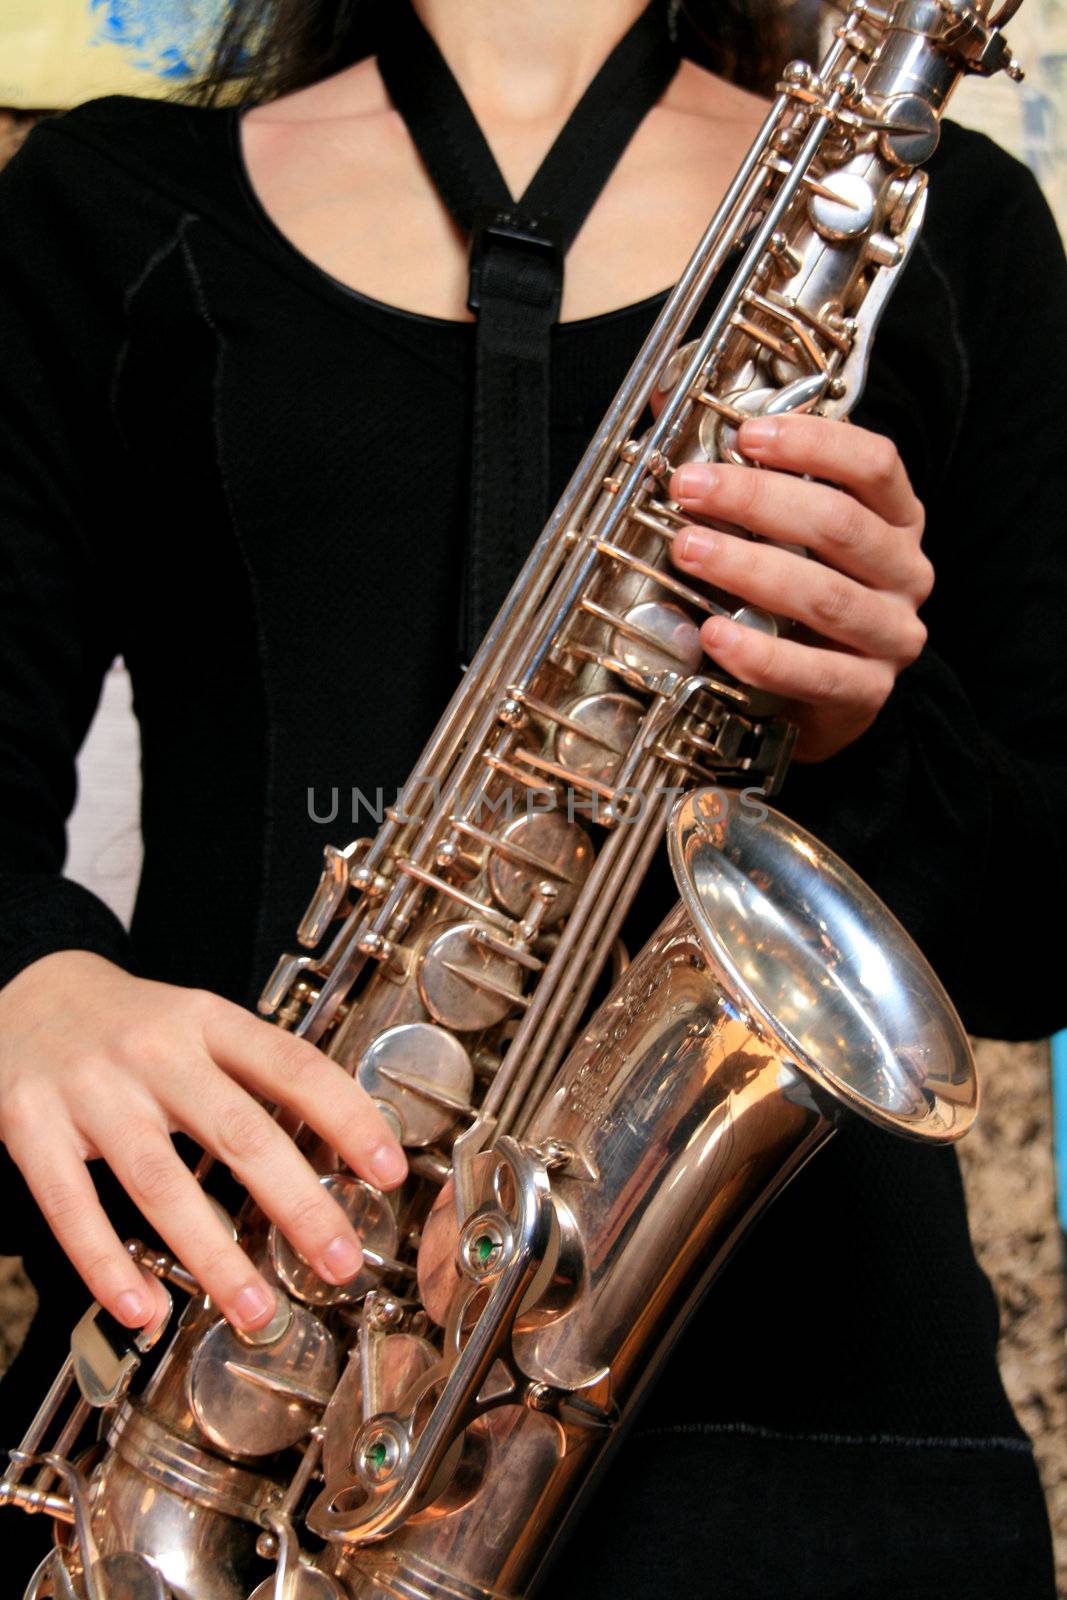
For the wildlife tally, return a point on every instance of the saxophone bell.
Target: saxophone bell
(779, 997)
(820, 968)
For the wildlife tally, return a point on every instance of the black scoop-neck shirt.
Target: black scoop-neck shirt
(248, 480)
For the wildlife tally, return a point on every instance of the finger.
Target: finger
(225, 1120)
(291, 1072)
(866, 464)
(825, 601)
(802, 672)
(827, 521)
(59, 1181)
(145, 1162)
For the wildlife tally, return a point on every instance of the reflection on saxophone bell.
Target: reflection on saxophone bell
(579, 1172)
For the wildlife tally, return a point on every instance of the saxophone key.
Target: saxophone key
(331, 893)
(466, 985)
(425, 1075)
(844, 208)
(677, 645)
(542, 846)
(131, 1577)
(253, 1400)
(609, 724)
(373, 1219)
(303, 1583)
(281, 982)
(399, 1360)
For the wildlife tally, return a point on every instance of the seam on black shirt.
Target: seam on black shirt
(957, 344)
(255, 955)
(330, 291)
(155, 259)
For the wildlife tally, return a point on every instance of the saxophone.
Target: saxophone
(578, 1173)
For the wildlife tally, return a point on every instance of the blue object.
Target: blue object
(1059, 1120)
(164, 37)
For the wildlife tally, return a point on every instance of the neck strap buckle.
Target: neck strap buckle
(517, 256)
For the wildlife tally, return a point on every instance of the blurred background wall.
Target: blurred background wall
(56, 53)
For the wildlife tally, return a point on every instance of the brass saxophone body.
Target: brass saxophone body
(576, 1180)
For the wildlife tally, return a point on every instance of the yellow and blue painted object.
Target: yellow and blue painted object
(57, 53)
(158, 37)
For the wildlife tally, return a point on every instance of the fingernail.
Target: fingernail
(693, 480)
(757, 432)
(694, 545)
(717, 631)
(342, 1259)
(133, 1309)
(388, 1164)
(254, 1305)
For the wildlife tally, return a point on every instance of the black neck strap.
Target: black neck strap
(516, 278)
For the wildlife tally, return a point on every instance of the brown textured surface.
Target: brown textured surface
(1009, 1172)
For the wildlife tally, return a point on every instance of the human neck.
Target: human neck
(523, 63)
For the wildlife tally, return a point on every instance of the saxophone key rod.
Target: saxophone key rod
(537, 572)
(609, 896)
(563, 1024)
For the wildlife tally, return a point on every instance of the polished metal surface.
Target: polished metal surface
(683, 1110)
(200, 1554)
(814, 961)
(578, 1175)
(257, 1399)
(464, 984)
(369, 1211)
(130, 1577)
(304, 1584)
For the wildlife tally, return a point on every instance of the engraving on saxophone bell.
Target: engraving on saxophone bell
(593, 1073)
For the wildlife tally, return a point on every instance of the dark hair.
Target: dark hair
(271, 47)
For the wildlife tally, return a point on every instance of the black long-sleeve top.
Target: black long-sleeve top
(247, 479)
